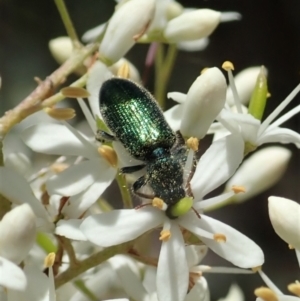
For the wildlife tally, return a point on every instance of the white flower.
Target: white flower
(234, 294)
(192, 25)
(119, 226)
(17, 236)
(198, 109)
(129, 21)
(253, 131)
(260, 172)
(285, 218)
(83, 182)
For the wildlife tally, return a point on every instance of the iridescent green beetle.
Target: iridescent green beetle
(135, 119)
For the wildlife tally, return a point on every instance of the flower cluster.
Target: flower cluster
(61, 236)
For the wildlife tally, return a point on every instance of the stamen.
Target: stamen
(278, 110)
(74, 92)
(165, 235)
(219, 237)
(294, 288)
(193, 143)
(285, 117)
(256, 269)
(109, 154)
(291, 247)
(61, 113)
(238, 189)
(49, 260)
(58, 167)
(88, 115)
(266, 294)
(159, 203)
(123, 71)
(228, 66)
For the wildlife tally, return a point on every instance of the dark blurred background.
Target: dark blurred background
(268, 34)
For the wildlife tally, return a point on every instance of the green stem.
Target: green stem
(90, 262)
(64, 14)
(83, 288)
(158, 86)
(68, 247)
(126, 197)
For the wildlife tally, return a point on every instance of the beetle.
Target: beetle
(135, 119)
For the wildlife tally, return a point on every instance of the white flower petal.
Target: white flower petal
(217, 164)
(192, 25)
(11, 276)
(79, 203)
(15, 188)
(230, 16)
(92, 34)
(19, 162)
(177, 96)
(234, 294)
(205, 100)
(97, 74)
(281, 135)
(285, 218)
(195, 45)
(195, 254)
(55, 139)
(70, 229)
(260, 171)
(17, 233)
(77, 178)
(199, 291)
(238, 248)
(118, 226)
(173, 117)
(121, 30)
(37, 288)
(172, 269)
(133, 71)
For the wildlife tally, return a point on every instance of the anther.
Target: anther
(193, 143)
(165, 235)
(219, 237)
(58, 167)
(238, 189)
(109, 154)
(159, 203)
(74, 92)
(227, 65)
(203, 70)
(124, 71)
(49, 260)
(266, 294)
(294, 288)
(291, 247)
(61, 113)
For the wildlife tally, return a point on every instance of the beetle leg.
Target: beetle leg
(132, 169)
(139, 183)
(104, 136)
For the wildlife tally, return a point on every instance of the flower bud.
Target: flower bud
(17, 233)
(192, 25)
(205, 99)
(126, 24)
(259, 172)
(61, 48)
(285, 218)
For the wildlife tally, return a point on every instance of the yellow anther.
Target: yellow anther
(124, 71)
(219, 237)
(158, 203)
(61, 113)
(227, 65)
(238, 189)
(49, 260)
(165, 235)
(74, 92)
(203, 70)
(294, 288)
(291, 247)
(266, 294)
(109, 154)
(256, 269)
(269, 94)
(193, 143)
(58, 167)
